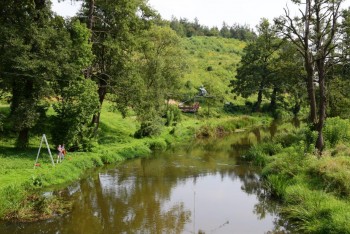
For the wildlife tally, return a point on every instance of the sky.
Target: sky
(215, 12)
(208, 12)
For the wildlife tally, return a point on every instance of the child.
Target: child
(59, 155)
(63, 151)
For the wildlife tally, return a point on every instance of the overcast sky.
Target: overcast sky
(215, 12)
(209, 12)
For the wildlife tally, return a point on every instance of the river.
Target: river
(200, 188)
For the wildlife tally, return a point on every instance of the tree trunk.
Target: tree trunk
(22, 94)
(308, 59)
(91, 14)
(23, 138)
(258, 102)
(322, 105)
(311, 92)
(102, 91)
(273, 102)
(90, 23)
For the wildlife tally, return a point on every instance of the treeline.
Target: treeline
(110, 49)
(185, 28)
(300, 60)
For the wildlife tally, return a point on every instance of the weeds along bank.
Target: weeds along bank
(314, 191)
(22, 186)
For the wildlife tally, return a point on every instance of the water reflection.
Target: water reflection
(201, 188)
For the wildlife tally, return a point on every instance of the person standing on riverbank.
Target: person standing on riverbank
(63, 151)
(60, 153)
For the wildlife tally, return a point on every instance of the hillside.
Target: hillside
(212, 62)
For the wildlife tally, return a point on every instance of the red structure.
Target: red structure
(189, 109)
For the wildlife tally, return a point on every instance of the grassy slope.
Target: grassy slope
(212, 62)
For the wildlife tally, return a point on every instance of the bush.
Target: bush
(277, 184)
(173, 115)
(72, 124)
(256, 155)
(147, 129)
(157, 144)
(336, 130)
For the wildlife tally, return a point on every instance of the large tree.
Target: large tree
(314, 33)
(77, 97)
(159, 62)
(255, 73)
(114, 25)
(32, 54)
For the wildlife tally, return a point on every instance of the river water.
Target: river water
(201, 188)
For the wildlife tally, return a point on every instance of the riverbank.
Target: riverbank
(22, 185)
(314, 190)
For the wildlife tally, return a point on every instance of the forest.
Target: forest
(107, 83)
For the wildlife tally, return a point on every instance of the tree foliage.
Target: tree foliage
(159, 63)
(185, 28)
(115, 25)
(315, 34)
(255, 75)
(77, 97)
(33, 51)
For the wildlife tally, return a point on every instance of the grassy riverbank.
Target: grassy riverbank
(314, 190)
(21, 184)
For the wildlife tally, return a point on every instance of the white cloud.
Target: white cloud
(67, 8)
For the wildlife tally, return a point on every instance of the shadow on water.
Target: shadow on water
(203, 188)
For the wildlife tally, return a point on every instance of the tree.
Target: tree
(160, 64)
(32, 53)
(225, 31)
(115, 25)
(242, 32)
(314, 33)
(338, 85)
(77, 97)
(288, 73)
(255, 73)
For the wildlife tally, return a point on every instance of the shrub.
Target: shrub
(157, 144)
(277, 184)
(336, 130)
(173, 115)
(72, 125)
(256, 155)
(148, 128)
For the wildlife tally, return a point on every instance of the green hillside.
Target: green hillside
(212, 61)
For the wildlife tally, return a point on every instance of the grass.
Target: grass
(212, 62)
(314, 191)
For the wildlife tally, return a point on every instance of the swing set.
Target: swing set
(43, 139)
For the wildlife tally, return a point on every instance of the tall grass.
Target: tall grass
(314, 191)
(314, 211)
(336, 130)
